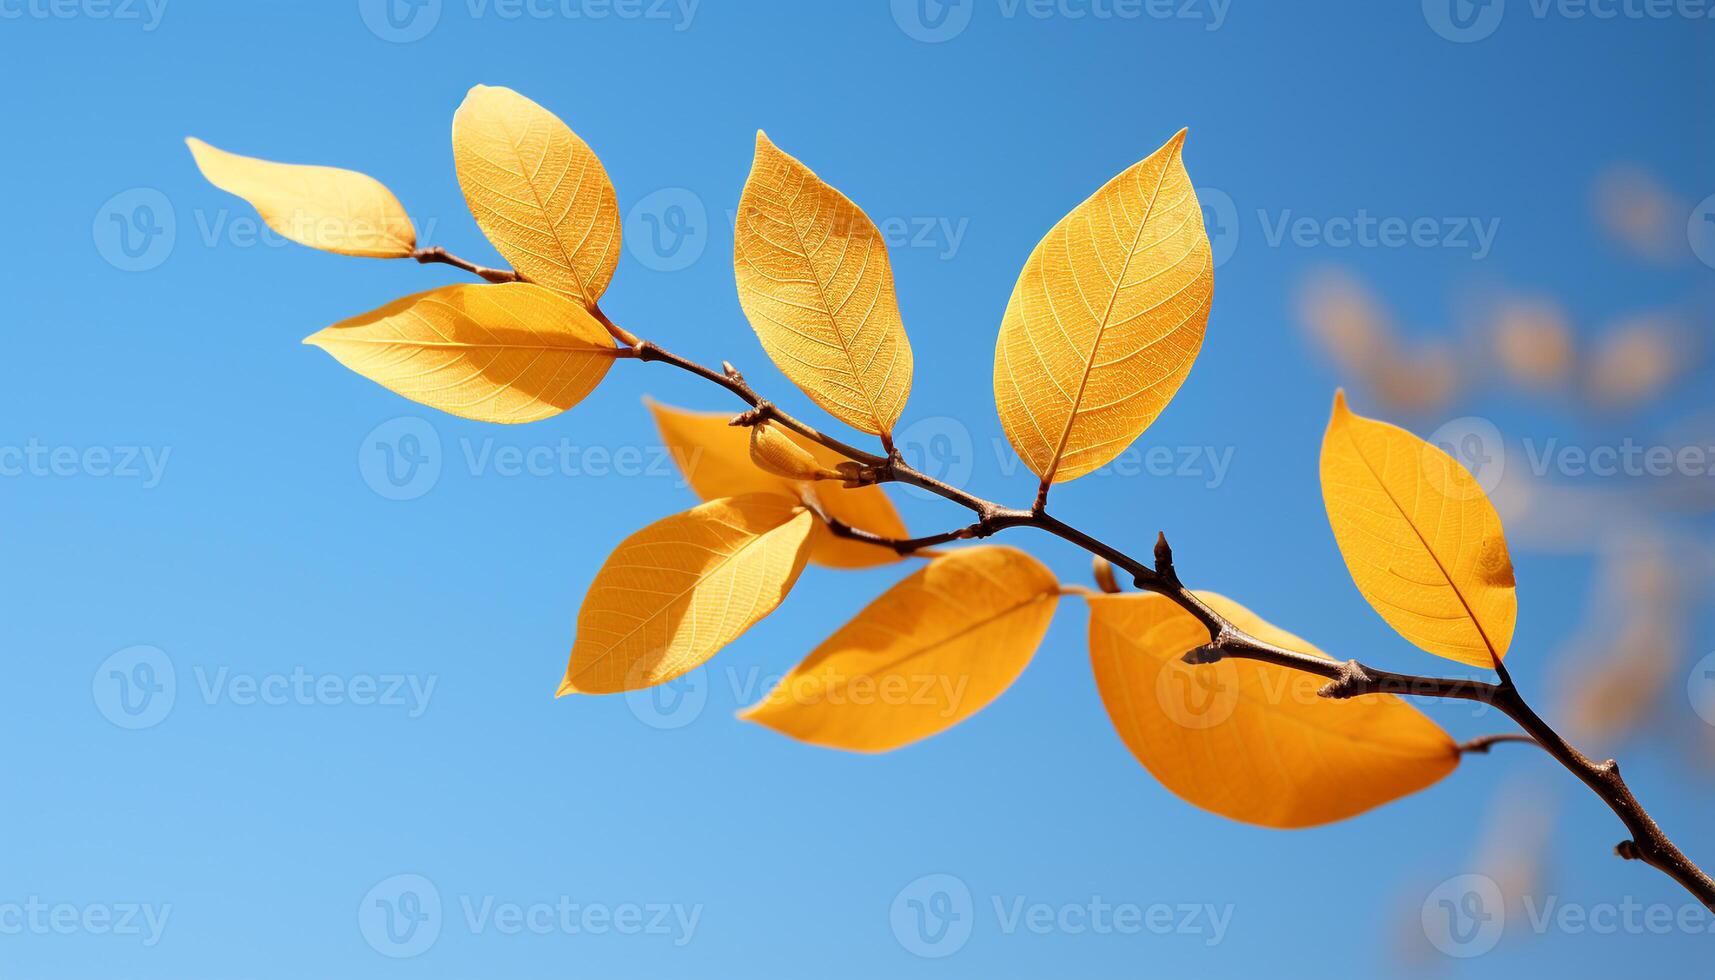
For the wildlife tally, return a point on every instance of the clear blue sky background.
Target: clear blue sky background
(263, 549)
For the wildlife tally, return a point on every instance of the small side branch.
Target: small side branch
(444, 257)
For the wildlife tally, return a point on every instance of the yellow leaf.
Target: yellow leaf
(715, 458)
(538, 192)
(929, 653)
(814, 279)
(507, 353)
(1419, 536)
(773, 452)
(323, 207)
(1105, 320)
(674, 593)
(1249, 740)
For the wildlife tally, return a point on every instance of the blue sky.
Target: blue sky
(362, 686)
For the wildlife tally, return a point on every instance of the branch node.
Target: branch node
(1353, 681)
(1629, 850)
(752, 416)
(1208, 653)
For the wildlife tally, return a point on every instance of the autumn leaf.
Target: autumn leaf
(507, 353)
(673, 594)
(538, 192)
(816, 284)
(1105, 320)
(1420, 537)
(929, 653)
(1250, 740)
(323, 207)
(715, 458)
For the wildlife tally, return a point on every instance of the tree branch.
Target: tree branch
(1345, 680)
(441, 255)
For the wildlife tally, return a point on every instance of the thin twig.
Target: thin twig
(441, 255)
(1346, 680)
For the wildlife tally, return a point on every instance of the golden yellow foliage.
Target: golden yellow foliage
(673, 594)
(929, 653)
(1420, 537)
(1106, 320)
(323, 207)
(1250, 740)
(506, 353)
(716, 461)
(538, 192)
(815, 282)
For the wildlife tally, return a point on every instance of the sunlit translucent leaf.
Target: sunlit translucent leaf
(814, 279)
(676, 592)
(715, 458)
(538, 192)
(1420, 537)
(1249, 740)
(509, 353)
(929, 653)
(1105, 320)
(323, 207)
